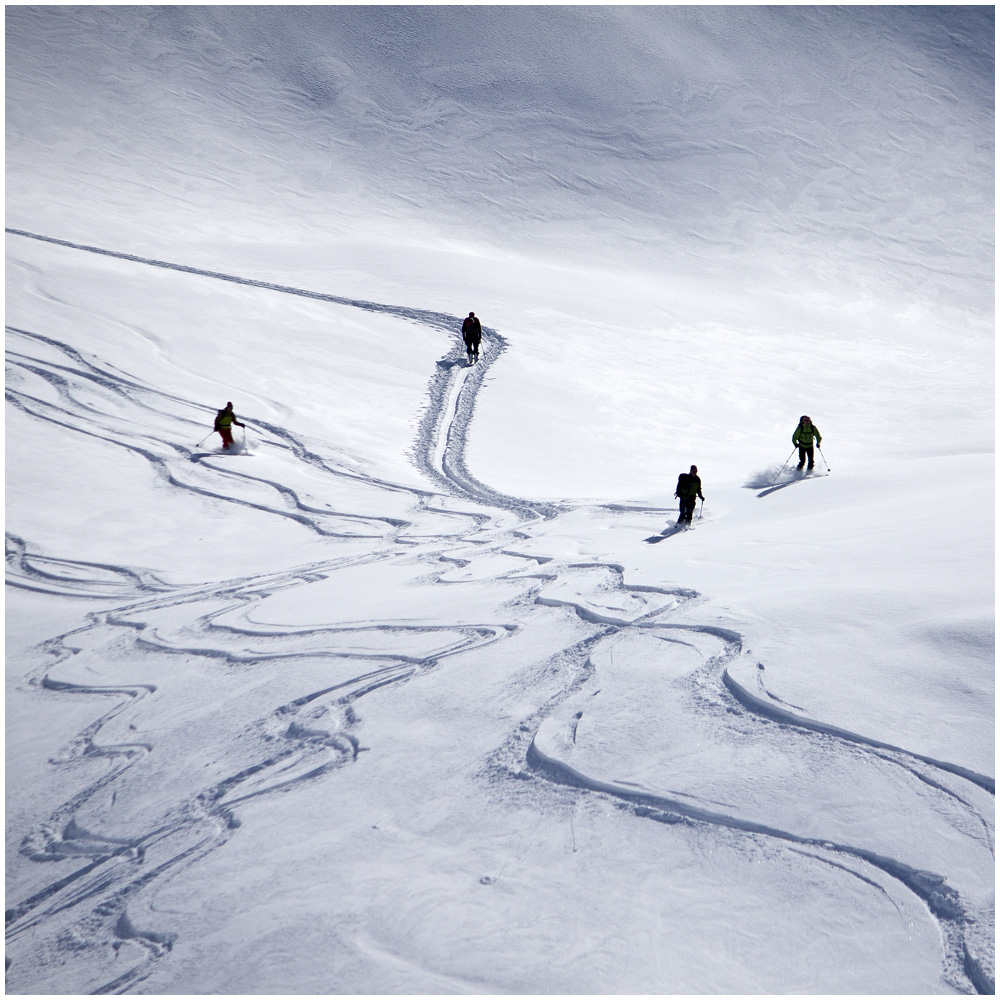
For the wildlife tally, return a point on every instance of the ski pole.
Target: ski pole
(210, 433)
(701, 508)
(825, 462)
(782, 469)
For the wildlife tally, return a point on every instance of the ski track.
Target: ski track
(84, 911)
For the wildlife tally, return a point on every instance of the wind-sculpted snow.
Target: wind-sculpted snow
(273, 682)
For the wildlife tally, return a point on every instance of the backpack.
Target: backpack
(687, 485)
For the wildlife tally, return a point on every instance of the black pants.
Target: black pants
(804, 453)
(687, 508)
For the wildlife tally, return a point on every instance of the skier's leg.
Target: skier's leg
(809, 452)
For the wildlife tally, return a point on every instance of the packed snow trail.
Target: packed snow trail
(150, 641)
(439, 452)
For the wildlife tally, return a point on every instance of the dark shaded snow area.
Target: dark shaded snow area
(745, 144)
(395, 696)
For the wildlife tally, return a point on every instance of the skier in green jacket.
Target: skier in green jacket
(803, 438)
(224, 421)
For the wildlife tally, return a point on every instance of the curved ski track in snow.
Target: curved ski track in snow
(449, 470)
(74, 913)
(943, 901)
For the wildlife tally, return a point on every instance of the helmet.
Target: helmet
(805, 418)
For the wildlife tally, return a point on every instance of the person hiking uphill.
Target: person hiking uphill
(472, 334)
(805, 434)
(688, 488)
(224, 421)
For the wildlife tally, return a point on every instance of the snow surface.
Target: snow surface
(399, 696)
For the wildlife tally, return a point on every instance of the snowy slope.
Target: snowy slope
(397, 697)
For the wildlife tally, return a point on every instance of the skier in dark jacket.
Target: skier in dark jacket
(472, 334)
(803, 438)
(224, 421)
(688, 488)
